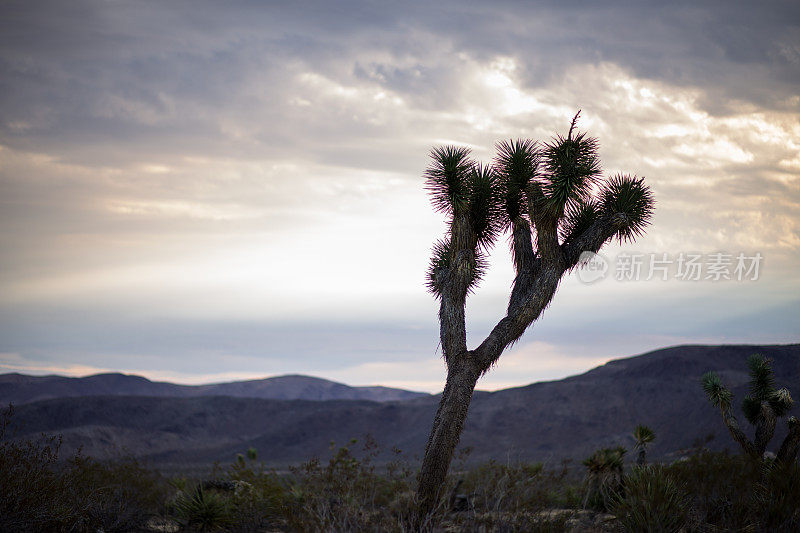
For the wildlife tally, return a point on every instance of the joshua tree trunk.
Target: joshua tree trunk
(556, 210)
(447, 426)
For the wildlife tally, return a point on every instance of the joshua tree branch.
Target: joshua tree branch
(593, 238)
(545, 223)
(452, 327)
(526, 262)
(737, 433)
(547, 239)
(513, 325)
(452, 320)
(791, 443)
(525, 307)
(765, 428)
(524, 256)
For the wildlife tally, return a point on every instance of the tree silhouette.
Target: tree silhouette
(556, 205)
(643, 436)
(762, 407)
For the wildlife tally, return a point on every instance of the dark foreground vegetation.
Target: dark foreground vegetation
(704, 491)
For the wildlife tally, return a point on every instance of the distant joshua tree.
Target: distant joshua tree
(643, 436)
(762, 407)
(556, 205)
(603, 476)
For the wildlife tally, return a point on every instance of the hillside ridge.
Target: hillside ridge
(544, 421)
(21, 388)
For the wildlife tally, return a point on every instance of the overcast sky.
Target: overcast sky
(201, 192)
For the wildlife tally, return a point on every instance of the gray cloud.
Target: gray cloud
(168, 78)
(159, 162)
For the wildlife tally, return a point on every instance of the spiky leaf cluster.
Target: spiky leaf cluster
(482, 201)
(717, 394)
(571, 167)
(628, 196)
(578, 219)
(470, 194)
(751, 408)
(605, 460)
(446, 179)
(762, 378)
(516, 163)
(484, 210)
(781, 401)
(762, 389)
(643, 435)
(441, 264)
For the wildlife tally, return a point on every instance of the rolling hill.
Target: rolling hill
(544, 421)
(20, 388)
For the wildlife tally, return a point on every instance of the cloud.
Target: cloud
(14, 362)
(221, 78)
(193, 167)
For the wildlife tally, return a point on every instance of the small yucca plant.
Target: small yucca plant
(606, 460)
(762, 407)
(205, 510)
(643, 436)
(603, 476)
(653, 501)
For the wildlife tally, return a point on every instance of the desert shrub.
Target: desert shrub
(776, 499)
(344, 493)
(203, 509)
(259, 498)
(347, 494)
(738, 493)
(517, 487)
(517, 522)
(31, 487)
(118, 495)
(721, 487)
(652, 501)
(42, 492)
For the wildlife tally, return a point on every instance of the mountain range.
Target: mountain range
(545, 421)
(19, 388)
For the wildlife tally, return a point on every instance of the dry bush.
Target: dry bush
(652, 501)
(42, 492)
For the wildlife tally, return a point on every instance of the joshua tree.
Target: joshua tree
(762, 407)
(552, 195)
(603, 476)
(644, 436)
